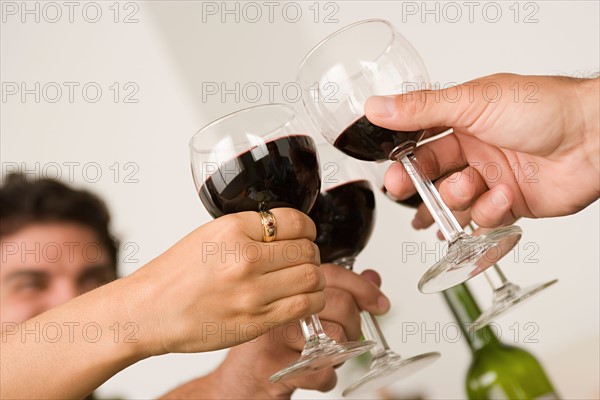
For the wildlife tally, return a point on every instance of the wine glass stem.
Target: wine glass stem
(371, 331)
(368, 324)
(448, 225)
(313, 331)
(500, 275)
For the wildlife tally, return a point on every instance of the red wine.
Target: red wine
(369, 142)
(344, 216)
(285, 174)
(413, 201)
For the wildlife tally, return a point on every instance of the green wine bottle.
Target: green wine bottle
(498, 371)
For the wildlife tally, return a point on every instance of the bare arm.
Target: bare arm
(165, 302)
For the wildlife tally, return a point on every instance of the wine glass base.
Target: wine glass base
(322, 357)
(468, 256)
(389, 369)
(508, 302)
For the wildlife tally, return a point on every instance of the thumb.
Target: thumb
(422, 109)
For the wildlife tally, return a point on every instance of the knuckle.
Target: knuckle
(411, 103)
(319, 302)
(301, 306)
(314, 278)
(249, 303)
(310, 251)
(297, 222)
(243, 269)
(234, 222)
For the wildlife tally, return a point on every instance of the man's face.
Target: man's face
(45, 265)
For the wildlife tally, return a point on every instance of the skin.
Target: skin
(157, 309)
(541, 145)
(347, 294)
(65, 266)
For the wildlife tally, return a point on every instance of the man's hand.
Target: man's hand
(523, 146)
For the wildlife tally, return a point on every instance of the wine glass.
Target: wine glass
(337, 76)
(344, 215)
(256, 159)
(506, 294)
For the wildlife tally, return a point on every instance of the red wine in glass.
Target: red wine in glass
(280, 175)
(368, 142)
(344, 216)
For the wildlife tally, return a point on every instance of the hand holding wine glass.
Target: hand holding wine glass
(371, 58)
(250, 364)
(257, 159)
(520, 158)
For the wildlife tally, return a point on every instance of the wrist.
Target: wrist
(138, 294)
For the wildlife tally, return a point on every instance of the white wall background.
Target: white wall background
(170, 52)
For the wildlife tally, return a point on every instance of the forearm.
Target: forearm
(70, 350)
(590, 104)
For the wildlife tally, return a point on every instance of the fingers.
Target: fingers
(341, 309)
(291, 224)
(493, 208)
(462, 188)
(414, 110)
(454, 107)
(434, 159)
(372, 276)
(299, 279)
(279, 254)
(294, 307)
(366, 294)
(323, 380)
(459, 191)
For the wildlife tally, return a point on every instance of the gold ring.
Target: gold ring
(269, 226)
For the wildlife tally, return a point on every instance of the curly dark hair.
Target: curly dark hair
(25, 201)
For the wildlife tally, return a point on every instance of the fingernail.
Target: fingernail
(383, 303)
(381, 106)
(499, 199)
(417, 224)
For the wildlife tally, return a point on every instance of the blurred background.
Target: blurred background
(106, 95)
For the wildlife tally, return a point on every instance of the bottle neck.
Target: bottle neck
(465, 311)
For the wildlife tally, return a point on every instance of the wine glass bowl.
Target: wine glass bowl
(255, 159)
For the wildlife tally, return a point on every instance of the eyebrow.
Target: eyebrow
(42, 274)
(33, 273)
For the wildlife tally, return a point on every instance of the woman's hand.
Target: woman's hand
(221, 285)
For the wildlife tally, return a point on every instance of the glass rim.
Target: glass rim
(343, 29)
(236, 113)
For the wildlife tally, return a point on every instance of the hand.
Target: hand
(222, 278)
(534, 156)
(249, 365)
